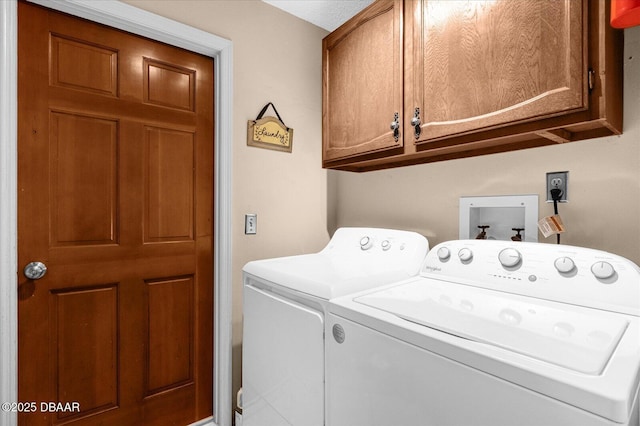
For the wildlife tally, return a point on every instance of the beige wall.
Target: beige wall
(604, 184)
(277, 58)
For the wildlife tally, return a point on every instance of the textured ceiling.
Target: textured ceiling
(327, 14)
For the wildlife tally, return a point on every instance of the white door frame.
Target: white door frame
(137, 21)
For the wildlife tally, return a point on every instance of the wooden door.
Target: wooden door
(115, 165)
(362, 83)
(480, 65)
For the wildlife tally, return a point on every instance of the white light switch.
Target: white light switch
(250, 224)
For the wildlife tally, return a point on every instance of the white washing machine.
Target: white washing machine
(491, 333)
(285, 301)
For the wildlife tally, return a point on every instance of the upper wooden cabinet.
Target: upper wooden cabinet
(362, 83)
(478, 64)
(478, 77)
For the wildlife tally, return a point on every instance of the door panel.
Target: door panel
(115, 175)
(170, 331)
(99, 71)
(168, 85)
(169, 200)
(90, 315)
(83, 179)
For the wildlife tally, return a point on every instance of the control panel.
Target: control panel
(378, 249)
(576, 275)
(366, 241)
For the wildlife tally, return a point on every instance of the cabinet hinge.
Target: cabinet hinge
(591, 79)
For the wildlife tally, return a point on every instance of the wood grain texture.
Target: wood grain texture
(169, 185)
(170, 314)
(362, 82)
(99, 70)
(84, 179)
(169, 85)
(483, 64)
(499, 75)
(86, 363)
(116, 192)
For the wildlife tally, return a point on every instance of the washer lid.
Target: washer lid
(572, 337)
(327, 276)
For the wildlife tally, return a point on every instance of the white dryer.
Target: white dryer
(491, 333)
(284, 307)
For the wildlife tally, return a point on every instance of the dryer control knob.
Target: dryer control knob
(465, 254)
(444, 253)
(386, 245)
(602, 270)
(366, 243)
(564, 265)
(509, 257)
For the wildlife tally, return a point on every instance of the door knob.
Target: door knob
(35, 270)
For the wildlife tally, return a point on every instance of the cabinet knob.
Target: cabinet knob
(395, 126)
(415, 122)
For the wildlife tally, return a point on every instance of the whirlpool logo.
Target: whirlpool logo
(432, 268)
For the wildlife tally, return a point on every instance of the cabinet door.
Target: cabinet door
(482, 65)
(362, 83)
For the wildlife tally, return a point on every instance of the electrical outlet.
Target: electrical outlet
(560, 181)
(250, 224)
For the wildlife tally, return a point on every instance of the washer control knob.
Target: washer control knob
(386, 245)
(465, 254)
(602, 270)
(509, 257)
(564, 265)
(366, 243)
(444, 253)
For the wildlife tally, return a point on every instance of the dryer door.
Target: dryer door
(282, 361)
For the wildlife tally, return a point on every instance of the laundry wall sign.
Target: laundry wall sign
(269, 132)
